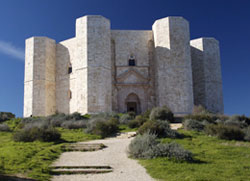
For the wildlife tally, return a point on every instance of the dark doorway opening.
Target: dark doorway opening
(132, 107)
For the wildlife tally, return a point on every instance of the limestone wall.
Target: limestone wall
(94, 82)
(101, 79)
(132, 79)
(173, 64)
(207, 74)
(65, 82)
(39, 96)
(28, 78)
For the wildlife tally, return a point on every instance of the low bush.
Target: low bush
(201, 114)
(161, 113)
(125, 119)
(226, 132)
(190, 124)
(173, 151)
(33, 132)
(202, 117)
(146, 146)
(4, 116)
(4, 127)
(247, 134)
(74, 124)
(57, 119)
(91, 124)
(137, 122)
(160, 128)
(200, 110)
(146, 114)
(236, 123)
(100, 126)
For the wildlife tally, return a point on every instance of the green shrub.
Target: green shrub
(132, 114)
(190, 124)
(201, 114)
(200, 110)
(240, 121)
(160, 128)
(146, 114)
(4, 127)
(73, 124)
(137, 122)
(4, 116)
(146, 146)
(142, 146)
(125, 119)
(57, 119)
(105, 115)
(100, 126)
(161, 113)
(247, 134)
(173, 151)
(32, 133)
(226, 132)
(202, 117)
(236, 123)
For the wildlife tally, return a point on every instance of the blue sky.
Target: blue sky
(226, 20)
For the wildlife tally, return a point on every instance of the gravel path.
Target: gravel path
(115, 155)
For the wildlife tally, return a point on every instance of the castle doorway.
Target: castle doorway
(132, 107)
(133, 103)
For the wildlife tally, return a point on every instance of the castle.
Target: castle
(104, 70)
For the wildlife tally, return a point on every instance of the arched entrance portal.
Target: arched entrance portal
(133, 103)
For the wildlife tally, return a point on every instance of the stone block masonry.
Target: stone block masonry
(104, 70)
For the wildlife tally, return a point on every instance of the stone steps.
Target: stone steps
(62, 170)
(83, 147)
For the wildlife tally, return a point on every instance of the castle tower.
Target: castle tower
(207, 79)
(39, 83)
(93, 69)
(173, 64)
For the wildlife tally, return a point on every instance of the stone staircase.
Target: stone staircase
(83, 147)
(61, 170)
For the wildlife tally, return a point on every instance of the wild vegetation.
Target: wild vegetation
(219, 146)
(209, 147)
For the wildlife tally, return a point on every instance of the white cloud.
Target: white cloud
(11, 50)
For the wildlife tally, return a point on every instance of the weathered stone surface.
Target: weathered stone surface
(207, 74)
(102, 80)
(39, 92)
(173, 64)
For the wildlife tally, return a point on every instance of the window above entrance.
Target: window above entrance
(131, 61)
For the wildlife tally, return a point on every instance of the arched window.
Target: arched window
(131, 60)
(69, 68)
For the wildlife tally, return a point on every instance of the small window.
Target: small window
(69, 68)
(131, 61)
(69, 94)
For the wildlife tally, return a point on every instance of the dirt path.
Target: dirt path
(115, 156)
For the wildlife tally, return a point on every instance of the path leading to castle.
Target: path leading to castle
(115, 156)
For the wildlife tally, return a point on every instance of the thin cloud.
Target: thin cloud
(11, 50)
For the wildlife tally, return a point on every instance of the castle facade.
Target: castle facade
(104, 70)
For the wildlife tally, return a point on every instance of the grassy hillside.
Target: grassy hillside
(32, 159)
(215, 160)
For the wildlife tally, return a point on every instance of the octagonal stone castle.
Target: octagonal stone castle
(104, 70)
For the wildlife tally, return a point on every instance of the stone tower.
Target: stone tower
(104, 70)
(40, 77)
(174, 87)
